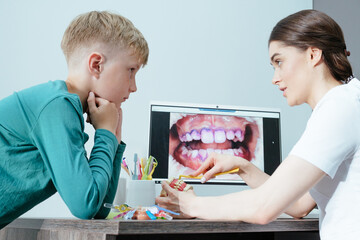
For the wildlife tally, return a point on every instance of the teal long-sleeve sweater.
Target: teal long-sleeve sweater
(42, 151)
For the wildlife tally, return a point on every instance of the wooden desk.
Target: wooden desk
(46, 229)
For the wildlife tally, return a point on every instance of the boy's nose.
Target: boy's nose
(133, 87)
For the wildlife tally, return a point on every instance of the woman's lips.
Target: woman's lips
(284, 91)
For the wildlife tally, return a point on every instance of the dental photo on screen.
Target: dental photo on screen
(192, 137)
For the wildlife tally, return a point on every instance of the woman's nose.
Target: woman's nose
(276, 78)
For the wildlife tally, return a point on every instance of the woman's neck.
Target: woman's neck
(320, 88)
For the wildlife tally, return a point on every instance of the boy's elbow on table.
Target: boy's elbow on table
(84, 209)
(84, 212)
(87, 204)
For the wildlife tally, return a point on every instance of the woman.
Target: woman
(308, 52)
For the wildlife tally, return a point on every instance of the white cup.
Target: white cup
(120, 196)
(140, 193)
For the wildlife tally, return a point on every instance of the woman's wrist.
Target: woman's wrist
(189, 205)
(193, 208)
(243, 166)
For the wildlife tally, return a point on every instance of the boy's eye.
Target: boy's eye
(131, 72)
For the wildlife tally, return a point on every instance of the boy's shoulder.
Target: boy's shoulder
(39, 96)
(23, 109)
(48, 88)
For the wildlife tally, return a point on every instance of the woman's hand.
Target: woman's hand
(218, 163)
(177, 201)
(103, 114)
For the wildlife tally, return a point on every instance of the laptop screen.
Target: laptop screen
(182, 136)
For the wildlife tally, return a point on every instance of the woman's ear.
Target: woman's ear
(95, 64)
(315, 55)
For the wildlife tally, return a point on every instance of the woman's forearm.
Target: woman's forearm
(252, 175)
(254, 178)
(237, 206)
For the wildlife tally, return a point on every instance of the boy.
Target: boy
(42, 128)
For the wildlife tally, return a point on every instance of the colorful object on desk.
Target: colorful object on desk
(166, 210)
(177, 184)
(129, 215)
(121, 215)
(235, 170)
(122, 208)
(118, 211)
(141, 213)
(151, 216)
(134, 177)
(149, 167)
(144, 169)
(126, 167)
(164, 215)
(139, 170)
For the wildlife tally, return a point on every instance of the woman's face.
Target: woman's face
(291, 72)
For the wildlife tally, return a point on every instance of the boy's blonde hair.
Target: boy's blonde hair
(103, 27)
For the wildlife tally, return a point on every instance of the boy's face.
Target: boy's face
(117, 78)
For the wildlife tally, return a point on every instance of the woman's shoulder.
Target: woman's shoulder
(340, 104)
(346, 95)
(351, 89)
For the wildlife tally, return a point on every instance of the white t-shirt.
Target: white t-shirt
(331, 142)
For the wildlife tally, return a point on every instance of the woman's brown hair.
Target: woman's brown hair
(311, 28)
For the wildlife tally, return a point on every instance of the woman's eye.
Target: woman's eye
(278, 62)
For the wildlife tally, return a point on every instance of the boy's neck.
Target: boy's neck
(76, 86)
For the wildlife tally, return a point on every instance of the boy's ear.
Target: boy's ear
(95, 64)
(315, 55)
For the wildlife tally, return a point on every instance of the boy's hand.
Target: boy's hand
(103, 114)
(118, 129)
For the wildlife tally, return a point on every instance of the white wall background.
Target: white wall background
(201, 51)
(345, 13)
